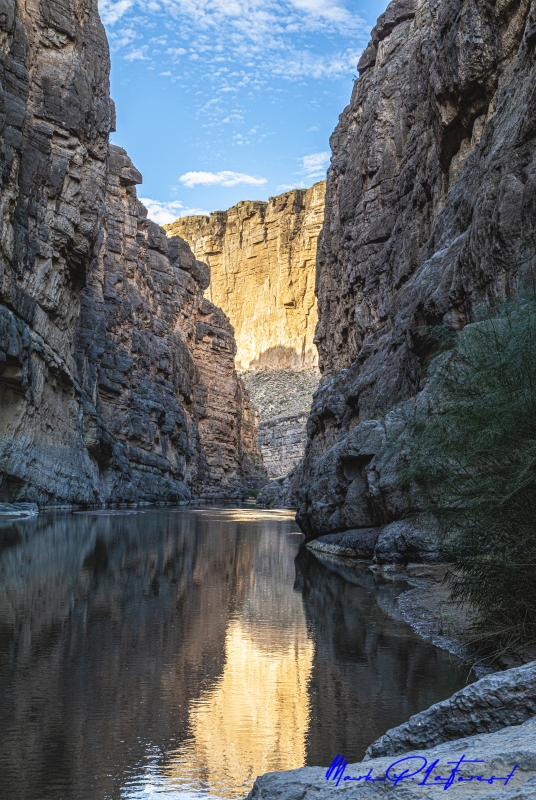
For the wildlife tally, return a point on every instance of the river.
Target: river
(178, 653)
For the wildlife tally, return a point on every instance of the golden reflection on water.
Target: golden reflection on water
(254, 719)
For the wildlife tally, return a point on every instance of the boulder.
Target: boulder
(408, 541)
(356, 543)
(500, 752)
(494, 702)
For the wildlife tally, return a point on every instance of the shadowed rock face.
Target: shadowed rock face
(171, 412)
(110, 359)
(429, 206)
(55, 94)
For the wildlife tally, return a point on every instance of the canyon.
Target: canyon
(120, 343)
(113, 364)
(268, 251)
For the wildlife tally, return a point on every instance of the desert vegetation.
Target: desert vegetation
(470, 457)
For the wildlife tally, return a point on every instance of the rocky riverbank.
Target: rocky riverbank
(490, 723)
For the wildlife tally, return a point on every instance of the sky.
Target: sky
(226, 100)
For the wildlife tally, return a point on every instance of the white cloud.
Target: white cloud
(139, 54)
(164, 213)
(111, 12)
(315, 165)
(175, 51)
(256, 33)
(306, 64)
(288, 187)
(122, 37)
(223, 178)
(332, 11)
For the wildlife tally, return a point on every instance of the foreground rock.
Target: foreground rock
(117, 381)
(429, 213)
(262, 259)
(494, 702)
(500, 752)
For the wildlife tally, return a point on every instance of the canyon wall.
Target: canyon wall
(110, 358)
(262, 262)
(283, 398)
(430, 205)
(170, 411)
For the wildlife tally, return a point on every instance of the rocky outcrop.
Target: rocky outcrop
(429, 205)
(280, 492)
(494, 702)
(359, 543)
(54, 146)
(265, 251)
(110, 359)
(491, 720)
(281, 442)
(500, 752)
(170, 411)
(16, 510)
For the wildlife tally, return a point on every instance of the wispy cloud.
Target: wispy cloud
(223, 178)
(138, 54)
(256, 33)
(112, 11)
(288, 187)
(315, 166)
(252, 18)
(164, 213)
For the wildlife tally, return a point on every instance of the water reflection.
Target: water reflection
(370, 672)
(166, 652)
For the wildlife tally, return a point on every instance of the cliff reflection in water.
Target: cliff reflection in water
(167, 652)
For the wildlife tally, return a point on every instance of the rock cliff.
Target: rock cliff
(110, 359)
(283, 398)
(429, 213)
(265, 251)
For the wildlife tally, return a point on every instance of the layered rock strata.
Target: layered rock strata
(429, 213)
(283, 398)
(159, 358)
(262, 261)
(110, 359)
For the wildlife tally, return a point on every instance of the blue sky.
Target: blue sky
(227, 100)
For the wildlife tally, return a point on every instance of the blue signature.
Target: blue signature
(407, 769)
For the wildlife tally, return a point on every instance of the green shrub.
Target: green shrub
(471, 454)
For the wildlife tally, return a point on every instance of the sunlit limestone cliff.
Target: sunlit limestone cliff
(430, 205)
(111, 360)
(262, 263)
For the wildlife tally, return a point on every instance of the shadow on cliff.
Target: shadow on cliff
(281, 357)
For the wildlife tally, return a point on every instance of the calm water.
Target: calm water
(179, 654)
